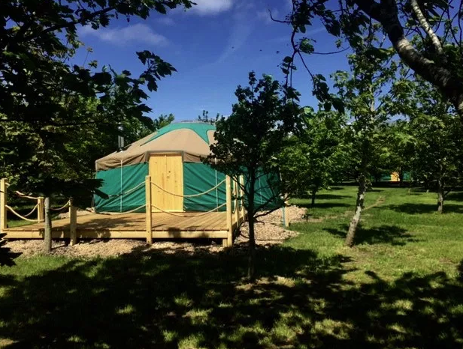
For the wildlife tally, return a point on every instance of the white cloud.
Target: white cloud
(137, 33)
(211, 7)
(165, 21)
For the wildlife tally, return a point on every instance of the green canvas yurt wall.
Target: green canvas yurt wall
(123, 173)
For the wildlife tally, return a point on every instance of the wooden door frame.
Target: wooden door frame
(168, 153)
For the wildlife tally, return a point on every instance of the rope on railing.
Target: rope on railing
(17, 214)
(67, 204)
(27, 215)
(189, 196)
(196, 215)
(22, 195)
(128, 191)
(117, 213)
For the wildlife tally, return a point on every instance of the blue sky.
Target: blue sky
(213, 46)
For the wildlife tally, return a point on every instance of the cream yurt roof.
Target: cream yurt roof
(191, 139)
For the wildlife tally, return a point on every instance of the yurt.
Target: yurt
(181, 181)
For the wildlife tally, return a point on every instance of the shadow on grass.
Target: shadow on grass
(322, 205)
(153, 299)
(455, 195)
(425, 208)
(384, 234)
(333, 197)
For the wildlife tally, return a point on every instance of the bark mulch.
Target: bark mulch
(269, 231)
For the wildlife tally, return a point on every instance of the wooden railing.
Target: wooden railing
(40, 207)
(235, 213)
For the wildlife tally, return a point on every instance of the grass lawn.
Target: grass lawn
(400, 287)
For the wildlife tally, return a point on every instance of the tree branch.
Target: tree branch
(427, 28)
(386, 13)
(81, 20)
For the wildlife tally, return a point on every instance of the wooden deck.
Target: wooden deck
(132, 225)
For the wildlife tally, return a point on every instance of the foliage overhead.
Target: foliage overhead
(46, 101)
(436, 54)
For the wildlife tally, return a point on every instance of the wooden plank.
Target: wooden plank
(235, 192)
(3, 198)
(243, 214)
(166, 171)
(175, 181)
(111, 234)
(128, 225)
(229, 211)
(72, 224)
(220, 222)
(41, 209)
(149, 223)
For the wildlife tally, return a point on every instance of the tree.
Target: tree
(397, 148)
(162, 121)
(208, 119)
(437, 152)
(249, 140)
(316, 157)
(436, 146)
(368, 107)
(39, 88)
(436, 56)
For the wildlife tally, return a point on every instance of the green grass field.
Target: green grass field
(400, 287)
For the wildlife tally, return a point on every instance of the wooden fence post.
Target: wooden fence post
(243, 216)
(3, 198)
(40, 210)
(47, 235)
(72, 223)
(149, 225)
(229, 240)
(285, 214)
(237, 208)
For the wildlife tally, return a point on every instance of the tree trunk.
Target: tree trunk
(314, 193)
(401, 178)
(440, 196)
(47, 233)
(252, 240)
(358, 211)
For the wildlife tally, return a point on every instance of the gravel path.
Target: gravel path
(268, 231)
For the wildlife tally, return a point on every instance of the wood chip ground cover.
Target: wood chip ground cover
(269, 231)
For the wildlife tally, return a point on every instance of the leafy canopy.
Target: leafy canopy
(46, 100)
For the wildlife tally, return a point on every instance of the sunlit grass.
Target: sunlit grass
(401, 234)
(399, 287)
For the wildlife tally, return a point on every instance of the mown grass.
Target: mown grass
(400, 287)
(400, 231)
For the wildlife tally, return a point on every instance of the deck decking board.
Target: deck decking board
(132, 225)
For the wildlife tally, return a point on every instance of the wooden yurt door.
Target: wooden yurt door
(166, 171)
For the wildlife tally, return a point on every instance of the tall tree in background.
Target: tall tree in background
(162, 121)
(249, 140)
(362, 91)
(397, 148)
(208, 119)
(436, 151)
(317, 156)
